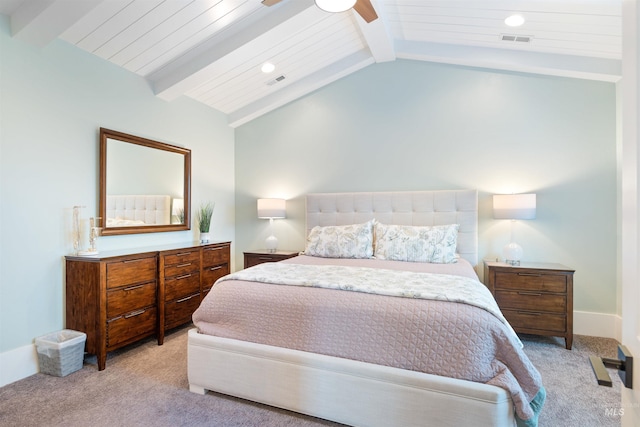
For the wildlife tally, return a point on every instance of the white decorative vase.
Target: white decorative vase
(204, 237)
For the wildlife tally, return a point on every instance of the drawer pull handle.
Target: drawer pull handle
(183, 254)
(531, 294)
(183, 277)
(214, 249)
(183, 265)
(530, 274)
(215, 268)
(134, 314)
(530, 313)
(185, 299)
(131, 288)
(129, 261)
(265, 258)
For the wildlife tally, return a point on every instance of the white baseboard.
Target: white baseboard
(597, 324)
(18, 363)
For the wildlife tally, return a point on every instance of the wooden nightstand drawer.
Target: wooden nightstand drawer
(536, 321)
(259, 259)
(532, 301)
(532, 281)
(261, 256)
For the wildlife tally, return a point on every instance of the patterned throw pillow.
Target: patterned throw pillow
(436, 244)
(341, 241)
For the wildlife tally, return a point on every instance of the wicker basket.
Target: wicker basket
(61, 353)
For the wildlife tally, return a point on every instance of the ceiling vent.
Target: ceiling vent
(276, 80)
(515, 38)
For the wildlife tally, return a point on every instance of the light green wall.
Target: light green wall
(52, 103)
(409, 125)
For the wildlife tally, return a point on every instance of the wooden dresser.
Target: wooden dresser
(120, 297)
(256, 257)
(536, 298)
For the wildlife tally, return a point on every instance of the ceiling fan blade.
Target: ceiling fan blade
(366, 10)
(270, 2)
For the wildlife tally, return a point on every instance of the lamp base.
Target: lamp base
(271, 243)
(512, 253)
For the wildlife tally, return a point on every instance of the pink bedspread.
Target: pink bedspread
(437, 337)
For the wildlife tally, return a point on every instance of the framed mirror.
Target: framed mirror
(145, 185)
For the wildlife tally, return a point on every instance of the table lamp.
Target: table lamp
(514, 207)
(271, 209)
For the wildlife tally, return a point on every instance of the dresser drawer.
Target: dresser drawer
(182, 268)
(130, 298)
(215, 255)
(532, 301)
(181, 286)
(531, 281)
(179, 312)
(182, 257)
(211, 274)
(131, 326)
(536, 321)
(135, 270)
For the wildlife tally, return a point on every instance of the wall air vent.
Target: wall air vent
(515, 38)
(276, 80)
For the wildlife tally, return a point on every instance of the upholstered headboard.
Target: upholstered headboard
(403, 208)
(148, 209)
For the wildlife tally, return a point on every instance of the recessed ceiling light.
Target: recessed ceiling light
(514, 20)
(267, 67)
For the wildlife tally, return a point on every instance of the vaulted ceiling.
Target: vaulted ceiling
(213, 50)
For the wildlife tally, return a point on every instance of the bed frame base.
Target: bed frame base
(341, 390)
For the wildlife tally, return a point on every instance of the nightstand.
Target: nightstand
(536, 298)
(256, 257)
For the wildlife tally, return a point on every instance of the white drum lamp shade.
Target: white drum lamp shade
(271, 209)
(514, 207)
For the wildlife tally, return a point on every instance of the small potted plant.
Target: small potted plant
(203, 217)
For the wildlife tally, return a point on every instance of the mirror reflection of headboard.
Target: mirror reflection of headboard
(140, 179)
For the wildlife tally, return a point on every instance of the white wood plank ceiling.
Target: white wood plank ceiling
(212, 50)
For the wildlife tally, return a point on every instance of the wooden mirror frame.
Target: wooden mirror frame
(136, 229)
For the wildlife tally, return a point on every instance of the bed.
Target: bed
(138, 209)
(347, 348)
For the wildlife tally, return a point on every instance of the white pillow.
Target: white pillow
(341, 241)
(435, 244)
